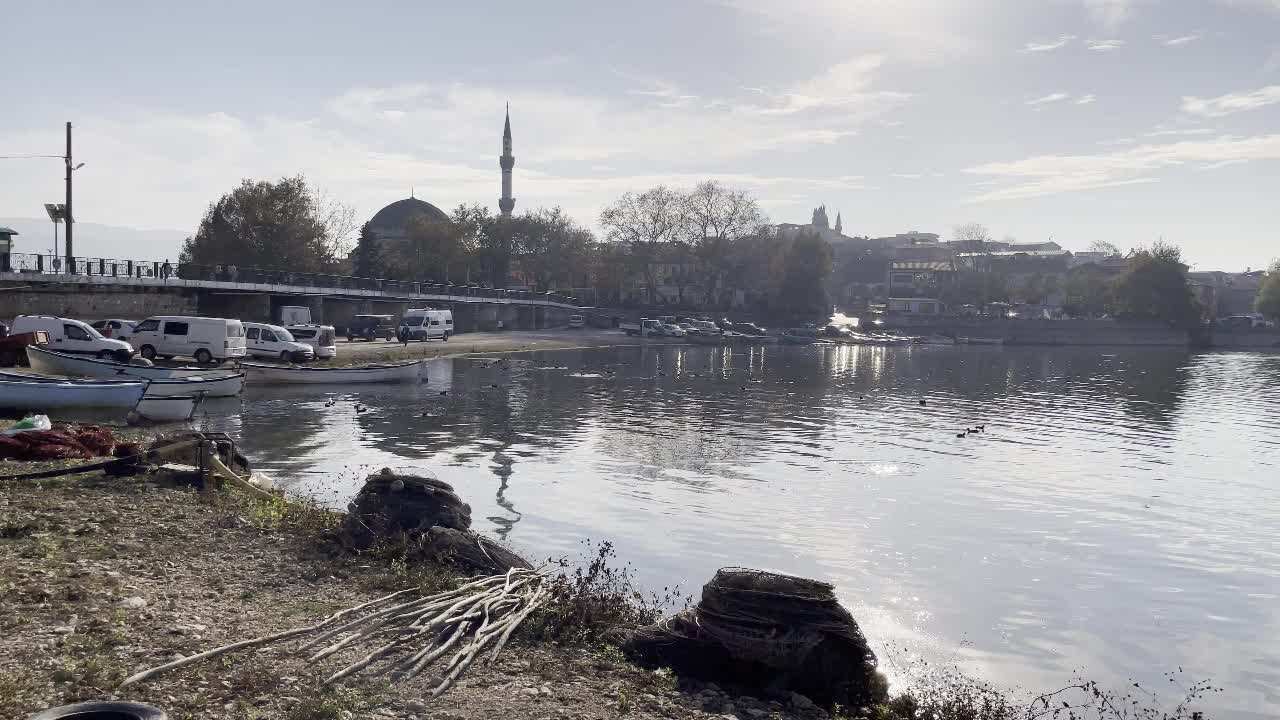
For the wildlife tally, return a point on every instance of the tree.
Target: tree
(432, 251)
(715, 218)
(1268, 300)
(820, 217)
(646, 222)
(1102, 246)
(839, 224)
(974, 236)
(283, 224)
(553, 249)
(1154, 287)
(1089, 291)
(367, 260)
(804, 286)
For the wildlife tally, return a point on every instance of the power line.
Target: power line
(27, 157)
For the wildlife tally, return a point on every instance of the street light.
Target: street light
(57, 213)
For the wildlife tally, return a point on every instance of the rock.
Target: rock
(415, 706)
(728, 708)
(64, 629)
(531, 692)
(756, 712)
(135, 602)
(800, 702)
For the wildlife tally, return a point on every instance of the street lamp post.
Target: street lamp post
(70, 219)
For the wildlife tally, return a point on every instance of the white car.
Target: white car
(273, 341)
(576, 321)
(72, 336)
(673, 331)
(114, 328)
(321, 338)
(704, 327)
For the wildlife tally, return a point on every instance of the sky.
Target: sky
(1127, 121)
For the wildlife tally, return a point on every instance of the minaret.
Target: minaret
(506, 203)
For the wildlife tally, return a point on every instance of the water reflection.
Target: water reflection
(1118, 513)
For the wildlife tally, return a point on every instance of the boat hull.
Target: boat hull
(166, 409)
(56, 363)
(227, 385)
(293, 375)
(65, 395)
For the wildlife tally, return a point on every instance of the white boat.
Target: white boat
(936, 340)
(166, 409)
(227, 385)
(24, 395)
(49, 362)
(979, 341)
(293, 374)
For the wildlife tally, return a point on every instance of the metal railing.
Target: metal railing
(166, 270)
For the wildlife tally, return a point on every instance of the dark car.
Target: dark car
(724, 324)
(747, 328)
(371, 327)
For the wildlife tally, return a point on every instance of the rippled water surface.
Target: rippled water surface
(1120, 514)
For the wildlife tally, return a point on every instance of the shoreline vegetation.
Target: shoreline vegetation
(102, 577)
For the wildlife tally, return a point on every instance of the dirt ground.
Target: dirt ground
(102, 577)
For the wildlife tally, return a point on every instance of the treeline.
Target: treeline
(711, 243)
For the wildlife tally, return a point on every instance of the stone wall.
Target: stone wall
(92, 303)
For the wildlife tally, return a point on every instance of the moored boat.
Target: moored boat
(49, 362)
(225, 385)
(979, 341)
(292, 374)
(27, 395)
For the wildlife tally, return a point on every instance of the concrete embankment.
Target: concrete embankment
(1053, 332)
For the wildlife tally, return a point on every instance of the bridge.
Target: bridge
(95, 288)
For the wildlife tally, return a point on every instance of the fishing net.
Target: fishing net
(759, 629)
(63, 443)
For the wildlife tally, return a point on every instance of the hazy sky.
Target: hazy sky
(1117, 120)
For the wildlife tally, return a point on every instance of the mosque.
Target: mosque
(391, 224)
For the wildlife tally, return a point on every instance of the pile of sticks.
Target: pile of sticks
(412, 634)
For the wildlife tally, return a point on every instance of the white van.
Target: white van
(72, 336)
(424, 323)
(205, 339)
(321, 338)
(273, 341)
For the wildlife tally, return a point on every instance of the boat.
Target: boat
(293, 374)
(979, 341)
(167, 409)
(49, 362)
(801, 336)
(707, 339)
(29, 395)
(226, 385)
(936, 340)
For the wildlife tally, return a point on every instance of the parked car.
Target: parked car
(72, 336)
(576, 321)
(114, 328)
(321, 338)
(274, 342)
(747, 328)
(205, 339)
(1242, 322)
(643, 326)
(371, 327)
(424, 323)
(704, 327)
(673, 331)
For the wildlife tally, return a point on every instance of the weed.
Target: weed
(326, 705)
(17, 691)
(624, 702)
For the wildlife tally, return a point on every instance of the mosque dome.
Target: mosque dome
(398, 214)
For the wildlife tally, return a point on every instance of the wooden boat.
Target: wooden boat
(26, 395)
(167, 409)
(294, 374)
(227, 385)
(49, 362)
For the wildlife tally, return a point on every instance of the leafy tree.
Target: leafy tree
(804, 286)
(553, 248)
(433, 251)
(613, 271)
(646, 222)
(1089, 291)
(1268, 301)
(282, 224)
(820, 217)
(1155, 287)
(367, 260)
(715, 218)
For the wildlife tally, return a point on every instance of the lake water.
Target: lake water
(1119, 516)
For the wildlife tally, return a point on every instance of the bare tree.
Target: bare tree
(646, 222)
(715, 218)
(975, 234)
(337, 221)
(1102, 246)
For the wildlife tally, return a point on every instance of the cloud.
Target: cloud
(1086, 99)
(1109, 13)
(1180, 40)
(1105, 45)
(1055, 174)
(1034, 47)
(1048, 99)
(1231, 103)
(1180, 132)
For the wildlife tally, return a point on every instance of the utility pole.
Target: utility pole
(71, 258)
